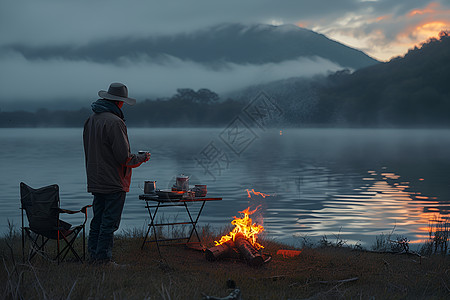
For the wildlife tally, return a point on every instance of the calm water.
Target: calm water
(358, 183)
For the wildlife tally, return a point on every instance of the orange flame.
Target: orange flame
(245, 226)
(249, 192)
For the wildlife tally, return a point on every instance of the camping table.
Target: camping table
(162, 203)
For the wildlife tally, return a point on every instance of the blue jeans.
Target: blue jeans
(107, 213)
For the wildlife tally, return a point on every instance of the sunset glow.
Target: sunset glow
(388, 35)
(302, 24)
(381, 18)
(429, 30)
(431, 8)
(425, 23)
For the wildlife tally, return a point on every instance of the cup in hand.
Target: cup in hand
(147, 153)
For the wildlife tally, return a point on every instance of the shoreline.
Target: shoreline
(328, 271)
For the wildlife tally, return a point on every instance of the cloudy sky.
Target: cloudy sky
(380, 28)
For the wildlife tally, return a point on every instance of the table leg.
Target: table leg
(152, 225)
(148, 225)
(194, 223)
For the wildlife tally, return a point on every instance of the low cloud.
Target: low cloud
(49, 80)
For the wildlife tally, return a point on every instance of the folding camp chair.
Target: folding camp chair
(42, 207)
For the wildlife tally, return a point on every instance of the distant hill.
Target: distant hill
(226, 43)
(407, 91)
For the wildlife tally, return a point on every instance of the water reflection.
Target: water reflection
(382, 204)
(356, 183)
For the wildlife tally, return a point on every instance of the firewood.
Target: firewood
(250, 254)
(339, 281)
(225, 250)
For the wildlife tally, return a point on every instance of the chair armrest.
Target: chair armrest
(84, 208)
(68, 211)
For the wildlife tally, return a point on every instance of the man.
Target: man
(108, 167)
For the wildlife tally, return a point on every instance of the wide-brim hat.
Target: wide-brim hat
(118, 92)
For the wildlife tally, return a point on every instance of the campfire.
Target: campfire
(241, 242)
(245, 227)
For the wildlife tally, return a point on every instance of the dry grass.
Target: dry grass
(317, 273)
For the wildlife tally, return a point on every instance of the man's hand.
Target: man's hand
(138, 159)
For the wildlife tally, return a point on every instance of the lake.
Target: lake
(307, 183)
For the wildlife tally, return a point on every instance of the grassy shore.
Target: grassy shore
(329, 271)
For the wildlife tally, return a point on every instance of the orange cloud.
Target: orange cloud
(382, 18)
(431, 8)
(430, 21)
(301, 24)
(431, 29)
(426, 24)
(423, 31)
(387, 36)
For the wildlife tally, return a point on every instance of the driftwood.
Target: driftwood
(250, 254)
(339, 281)
(271, 278)
(234, 295)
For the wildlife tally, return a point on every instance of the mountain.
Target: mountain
(214, 46)
(412, 90)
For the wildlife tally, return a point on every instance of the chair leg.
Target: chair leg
(57, 253)
(35, 247)
(70, 244)
(84, 244)
(38, 243)
(40, 247)
(23, 245)
(69, 247)
(23, 236)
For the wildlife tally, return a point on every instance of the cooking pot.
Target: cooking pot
(182, 183)
(200, 190)
(149, 187)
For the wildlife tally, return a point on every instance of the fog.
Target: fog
(43, 81)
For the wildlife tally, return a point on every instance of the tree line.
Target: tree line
(407, 91)
(186, 108)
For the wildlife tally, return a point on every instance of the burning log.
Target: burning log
(224, 250)
(240, 242)
(248, 251)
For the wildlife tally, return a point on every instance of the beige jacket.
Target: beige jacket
(107, 154)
